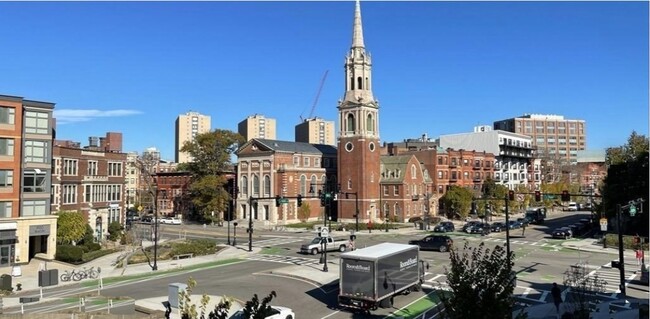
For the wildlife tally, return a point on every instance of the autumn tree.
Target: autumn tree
(457, 201)
(481, 283)
(211, 153)
(71, 227)
(303, 212)
(627, 179)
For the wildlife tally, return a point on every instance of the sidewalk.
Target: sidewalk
(547, 310)
(593, 245)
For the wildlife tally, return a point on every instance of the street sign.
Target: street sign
(632, 210)
(603, 224)
(324, 232)
(328, 195)
(283, 201)
(139, 208)
(549, 197)
(520, 197)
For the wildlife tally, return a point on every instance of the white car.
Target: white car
(170, 221)
(278, 313)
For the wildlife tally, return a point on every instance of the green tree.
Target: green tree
(114, 230)
(89, 236)
(627, 179)
(481, 283)
(256, 310)
(71, 226)
(457, 201)
(495, 193)
(303, 212)
(211, 153)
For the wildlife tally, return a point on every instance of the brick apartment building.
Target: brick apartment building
(91, 180)
(26, 135)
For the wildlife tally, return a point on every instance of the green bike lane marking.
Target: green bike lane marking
(417, 307)
(129, 278)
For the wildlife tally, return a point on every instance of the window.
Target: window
(34, 182)
(256, 185)
(92, 168)
(36, 151)
(6, 178)
(267, 186)
(370, 123)
(396, 190)
(57, 166)
(5, 209)
(244, 186)
(69, 194)
(34, 208)
(385, 190)
(37, 122)
(7, 146)
(114, 169)
(317, 162)
(87, 194)
(350, 123)
(439, 174)
(414, 172)
(306, 161)
(439, 160)
(70, 167)
(114, 193)
(303, 185)
(7, 115)
(296, 160)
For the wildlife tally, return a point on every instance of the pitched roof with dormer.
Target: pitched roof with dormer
(394, 168)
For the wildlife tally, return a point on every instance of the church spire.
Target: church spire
(357, 33)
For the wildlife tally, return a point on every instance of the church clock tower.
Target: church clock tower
(358, 142)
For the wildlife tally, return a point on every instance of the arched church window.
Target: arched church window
(352, 83)
(414, 174)
(350, 123)
(370, 123)
(360, 83)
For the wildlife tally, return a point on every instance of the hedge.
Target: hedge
(611, 241)
(69, 253)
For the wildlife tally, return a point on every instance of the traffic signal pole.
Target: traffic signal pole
(621, 262)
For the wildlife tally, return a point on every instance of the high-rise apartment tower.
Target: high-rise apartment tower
(188, 126)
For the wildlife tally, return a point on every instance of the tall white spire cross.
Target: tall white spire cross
(357, 35)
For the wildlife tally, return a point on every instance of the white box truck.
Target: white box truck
(372, 276)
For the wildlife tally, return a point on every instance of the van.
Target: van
(572, 207)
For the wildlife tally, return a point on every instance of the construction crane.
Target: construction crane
(313, 106)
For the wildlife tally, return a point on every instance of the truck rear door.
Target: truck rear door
(357, 279)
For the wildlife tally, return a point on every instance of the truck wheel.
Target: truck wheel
(417, 287)
(443, 248)
(314, 251)
(406, 291)
(342, 248)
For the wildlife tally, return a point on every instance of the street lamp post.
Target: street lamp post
(234, 239)
(155, 231)
(387, 216)
(250, 225)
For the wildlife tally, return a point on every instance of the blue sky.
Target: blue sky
(438, 67)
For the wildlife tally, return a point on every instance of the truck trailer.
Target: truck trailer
(372, 276)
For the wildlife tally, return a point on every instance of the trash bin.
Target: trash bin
(173, 291)
(5, 282)
(43, 278)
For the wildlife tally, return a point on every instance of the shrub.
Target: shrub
(196, 246)
(114, 231)
(92, 247)
(415, 219)
(69, 253)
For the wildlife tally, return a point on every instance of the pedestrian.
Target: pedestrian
(639, 256)
(523, 229)
(557, 297)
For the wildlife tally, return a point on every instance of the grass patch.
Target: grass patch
(92, 255)
(167, 250)
(416, 309)
(113, 280)
(70, 300)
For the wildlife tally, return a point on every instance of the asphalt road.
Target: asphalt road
(539, 261)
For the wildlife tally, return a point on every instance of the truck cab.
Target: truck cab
(536, 215)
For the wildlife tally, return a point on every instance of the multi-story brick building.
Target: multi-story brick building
(267, 168)
(514, 153)
(90, 180)
(557, 139)
(26, 135)
(591, 171)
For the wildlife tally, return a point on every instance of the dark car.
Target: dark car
(576, 229)
(147, 220)
(480, 228)
(469, 224)
(433, 242)
(513, 224)
(444, 227)
(523, 221)
(562, 232)
(497, 227)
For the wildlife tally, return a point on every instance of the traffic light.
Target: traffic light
(277, 200)
(538, 196)
(511, 195)
(299, 200)
(565, 196)
(632, 209)
(322, 198)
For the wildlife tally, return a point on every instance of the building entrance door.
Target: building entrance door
(5, 255)
(37, 245)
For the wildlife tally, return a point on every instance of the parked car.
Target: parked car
(433, 242)
(170, 221)
(469, 224)
(480, 228)
(523, 221)
(333, 244)
(277, 312)
(147, 219)
(571, 207)
(576, 229)
(562, 232)
(513, 224)
(497, 227)
(444, 227)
